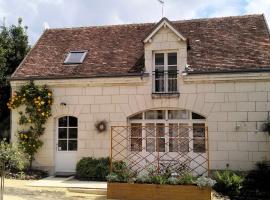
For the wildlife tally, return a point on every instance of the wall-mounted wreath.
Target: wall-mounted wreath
(101, 126)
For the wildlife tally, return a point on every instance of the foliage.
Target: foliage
(205, 182)
(187, 179)
(228, 183)
(173, 181)
(26, 174)
(37, 101)
(95, 169)
(143, 177)
(13, 48)
(122, 171)
(11, 156)
(256, 184)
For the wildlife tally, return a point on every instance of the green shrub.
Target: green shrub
(228, 183)
(95, 169)
(256, 184)
(121, 170)
(11, 157)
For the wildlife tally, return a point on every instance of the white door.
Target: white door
(66, 144)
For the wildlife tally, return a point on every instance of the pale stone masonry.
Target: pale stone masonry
(236, 105)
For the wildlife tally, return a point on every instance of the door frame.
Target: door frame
(55, 138)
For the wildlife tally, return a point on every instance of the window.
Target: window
(165, 72)
(199, 137)
(75, 57)
(167, 131)
(67, 133)
(136, 137)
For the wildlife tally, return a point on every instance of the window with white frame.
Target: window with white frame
(165, 72)
(167, 131)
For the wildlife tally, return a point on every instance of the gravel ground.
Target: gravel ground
(16, 190)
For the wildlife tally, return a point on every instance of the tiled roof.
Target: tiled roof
(214, 45)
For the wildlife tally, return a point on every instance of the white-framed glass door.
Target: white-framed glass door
(66, 144)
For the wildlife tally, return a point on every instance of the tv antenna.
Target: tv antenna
(162, 2)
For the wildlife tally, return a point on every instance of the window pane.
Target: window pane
(173, 130)
(184, 130)
(178, 114)
(138, 116)
(150, 129)
(150, 144)
(172, 58)
(159, 83)
(155, 114)
(75, 57)
(62, 122)
(160, 145)
(136, 130)
(73, 122)
(198, 145)
(173, 145)
(184, 145)
(159, 59)
(197, 116)
(136, 144)
(72, 145)
(62, 145)
(62, 133)
(73, 133)
(198, 130)
(160, 130)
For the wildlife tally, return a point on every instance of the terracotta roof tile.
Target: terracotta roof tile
(215, 45)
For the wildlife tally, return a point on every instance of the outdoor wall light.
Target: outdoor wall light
(63, 104)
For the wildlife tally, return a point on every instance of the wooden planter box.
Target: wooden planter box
(128, 191)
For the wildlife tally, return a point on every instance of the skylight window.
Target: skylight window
(75, 57)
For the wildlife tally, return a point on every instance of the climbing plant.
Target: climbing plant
(35, 102)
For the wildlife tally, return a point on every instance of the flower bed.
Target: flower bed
(129, 191)
(151, 183)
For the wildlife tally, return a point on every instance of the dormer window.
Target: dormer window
(75, 57)
(165, 72)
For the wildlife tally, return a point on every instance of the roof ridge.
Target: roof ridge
(153, 23)
(217, 18)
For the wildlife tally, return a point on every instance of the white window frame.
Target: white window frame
(81, 60)
(166, 67)
(166, 121)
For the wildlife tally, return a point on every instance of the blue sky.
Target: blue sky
(68, 13)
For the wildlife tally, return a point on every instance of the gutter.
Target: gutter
(142, 75)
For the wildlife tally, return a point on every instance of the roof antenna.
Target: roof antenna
(162, 7)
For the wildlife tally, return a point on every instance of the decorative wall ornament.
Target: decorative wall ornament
(101, 126)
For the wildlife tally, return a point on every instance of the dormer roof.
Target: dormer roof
(164, 22)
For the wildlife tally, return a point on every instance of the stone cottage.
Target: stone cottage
(211, 72)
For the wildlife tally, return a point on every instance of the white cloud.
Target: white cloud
(259, 6)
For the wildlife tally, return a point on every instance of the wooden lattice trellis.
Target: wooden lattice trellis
(178, 149)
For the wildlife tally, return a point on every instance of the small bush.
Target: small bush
(256, 184)
(228, 183)
(123, 173)
(11, 157)
(94, 169)
(187, 179)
